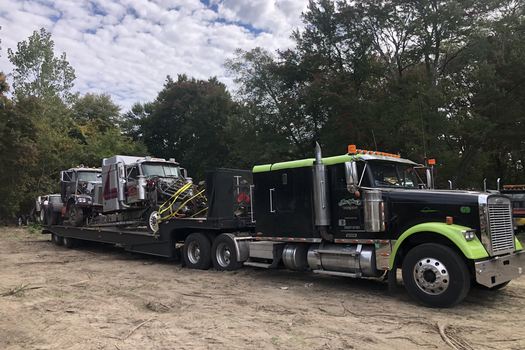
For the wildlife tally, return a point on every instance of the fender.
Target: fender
(470, 249)
(517, 243)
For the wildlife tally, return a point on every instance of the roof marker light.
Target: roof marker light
(352, 149)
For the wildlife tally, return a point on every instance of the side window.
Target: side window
(133, 172)
(365, 182)
(284, 192)
(67, 176)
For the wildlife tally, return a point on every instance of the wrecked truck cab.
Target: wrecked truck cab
(77, 189)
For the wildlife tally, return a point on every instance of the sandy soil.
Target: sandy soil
(99, 297)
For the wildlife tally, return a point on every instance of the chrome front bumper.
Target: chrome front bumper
(500, 269)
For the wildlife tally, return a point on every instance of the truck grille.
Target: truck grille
(500, 226)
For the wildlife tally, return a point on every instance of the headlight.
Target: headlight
(469, 234)
(82, 200)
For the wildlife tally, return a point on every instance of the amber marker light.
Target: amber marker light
(352, 149)
(449, 220)
(432, 161)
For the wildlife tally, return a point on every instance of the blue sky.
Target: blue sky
(127, 47)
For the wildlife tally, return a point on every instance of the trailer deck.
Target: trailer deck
(140, 240)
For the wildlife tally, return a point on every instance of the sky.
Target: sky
(126, 48)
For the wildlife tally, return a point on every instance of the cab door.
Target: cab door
(347, 208)
(67, 184)
(132, 183)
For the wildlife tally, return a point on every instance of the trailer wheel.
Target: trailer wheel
(70, 242)
(224, 253)
(75, 215)
(197, 251)
(56, 239)
(435, 275)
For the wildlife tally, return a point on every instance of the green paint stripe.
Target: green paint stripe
(261, 168)
(302, 163)
(471, 249)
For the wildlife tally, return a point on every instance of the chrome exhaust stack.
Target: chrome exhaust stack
(321, 199)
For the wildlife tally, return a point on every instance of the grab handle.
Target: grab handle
(272, 210)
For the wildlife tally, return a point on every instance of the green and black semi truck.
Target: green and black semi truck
(361, 214)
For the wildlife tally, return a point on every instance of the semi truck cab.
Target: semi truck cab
(77, 188)
(365, 213)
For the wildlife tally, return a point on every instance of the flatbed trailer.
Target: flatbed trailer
(140, 240)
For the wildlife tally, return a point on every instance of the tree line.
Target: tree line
(428, 79)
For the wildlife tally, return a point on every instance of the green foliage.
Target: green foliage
(97, 112)
(37, 71)
(188, 121)
(429, 79)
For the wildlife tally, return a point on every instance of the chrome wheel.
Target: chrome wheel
(223, 254)
(153, 222)
(431, 276)
(194, 252)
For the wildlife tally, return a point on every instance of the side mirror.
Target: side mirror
(352, 179)
(184, 172)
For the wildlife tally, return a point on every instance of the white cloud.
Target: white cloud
(127, 47)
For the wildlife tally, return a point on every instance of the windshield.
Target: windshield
(91, 176)
(160, 169)
(55, 199)
(391, 174)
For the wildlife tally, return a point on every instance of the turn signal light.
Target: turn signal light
(432, 161)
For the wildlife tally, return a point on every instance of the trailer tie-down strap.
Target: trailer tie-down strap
(167, 209)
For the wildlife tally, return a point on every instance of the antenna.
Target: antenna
(374, 137)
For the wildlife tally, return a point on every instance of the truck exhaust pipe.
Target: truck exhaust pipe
(320, 184)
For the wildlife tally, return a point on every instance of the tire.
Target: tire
(50, 216)
(197, 251)
(58, 218)
(75, 215)
(435, 275)
(224, 253)
(43, 216)
(56, 239)
(70, 242)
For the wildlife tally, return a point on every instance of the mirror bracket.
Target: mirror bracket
(352, 179)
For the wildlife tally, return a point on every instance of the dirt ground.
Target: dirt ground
(100, 297)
